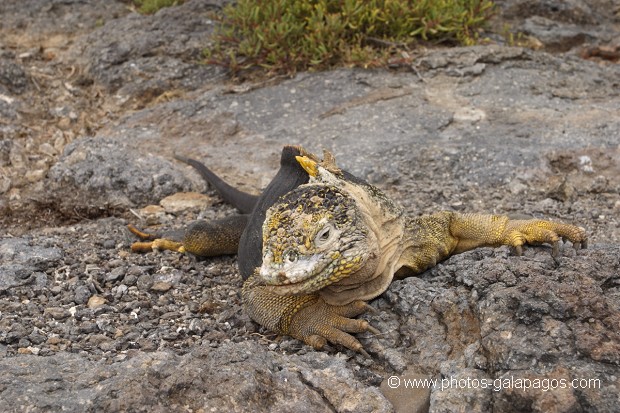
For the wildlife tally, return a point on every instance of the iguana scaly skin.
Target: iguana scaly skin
(335, 242)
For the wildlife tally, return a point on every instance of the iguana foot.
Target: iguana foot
(320, 322)
(536, 231)
(152, 242)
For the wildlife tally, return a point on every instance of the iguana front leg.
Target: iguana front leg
(436, 237)
(474, 230)
(306, 317)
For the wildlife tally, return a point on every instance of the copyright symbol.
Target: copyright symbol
(393, 382)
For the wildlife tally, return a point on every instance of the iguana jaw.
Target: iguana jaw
(311, 273)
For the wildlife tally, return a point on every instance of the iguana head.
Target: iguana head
(313, 236)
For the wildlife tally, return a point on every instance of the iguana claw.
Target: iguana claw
(320, 323)
(152, 242)
(536, 231)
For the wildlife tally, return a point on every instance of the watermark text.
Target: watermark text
(543, 384)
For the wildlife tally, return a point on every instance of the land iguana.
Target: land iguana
(318, 243)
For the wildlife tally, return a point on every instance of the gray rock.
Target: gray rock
(82, 294)
(13, 78)
(560, 25)
(115, 274)
(143, 56)
(557, 36)
(526, 328)
(19, 259)
(109, 244)
(568, 11)
(104, 171)
(145, 282)
(16, 332)
(50, 17)
(235, 377)
(5, 151)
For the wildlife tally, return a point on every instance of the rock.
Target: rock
(19, 260)
(12, 77)
(338, 386)
(82, 294)
(526, 325)
(560, 25)
(460, 384)
(96, 301)
(47, 149)
(5, 151)
(109, 244)
(5, 184)
(141, 57)
(104, 171)
(184, 201)
(408, 392)
(57, 313)
(17, 331)
(161, 286)
(248, 379)
(116, 274)
(44, 19)
(145, 282)
(556, 36)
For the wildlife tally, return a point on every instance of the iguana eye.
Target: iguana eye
(323, 235)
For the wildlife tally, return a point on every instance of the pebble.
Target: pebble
(82, 294)
(40, 281)
(96, 301)
(37, 338)
(145, 281)
(88, 327)
(17, 332)
(5, 184)
(115, 274)
(109, 244)
(47, 149)
(184, 201)
(197, 326)
(54, 340)
(58, 313)
(161, 286)
(130, 279)
(115, 263)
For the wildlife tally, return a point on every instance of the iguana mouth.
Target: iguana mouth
(303, 276)
(302, 287)
(324, 272)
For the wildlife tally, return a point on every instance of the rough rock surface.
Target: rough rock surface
(233, 378)
(94, 102)
(162, 54)
(124, 176)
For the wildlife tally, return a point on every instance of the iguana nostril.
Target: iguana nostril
(291, 256)
(282, 277)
